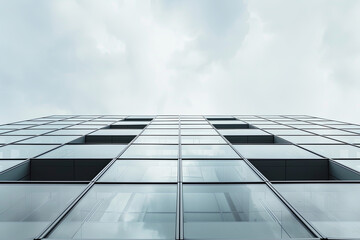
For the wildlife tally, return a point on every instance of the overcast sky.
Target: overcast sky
(180, 57)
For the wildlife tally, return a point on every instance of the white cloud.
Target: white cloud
(116, 57)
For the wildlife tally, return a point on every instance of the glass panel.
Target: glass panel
(162, 126)
(196, 126)
(288, 132)
(335, 151)
(157, 139)
(27, 209)
(88, 126)
(309, 139)
(70, 132)
(28, 132)
(332, 208)
(10, 139)
(351, 163)
(198, 132)
(85, 151)
(271, 126)
(246, 211)
(330, 132)
(242, 132)
(112, 211)
(202, 140)
(217, 171)
(348, 139)
(5, 164)
(161, 132)
(116, 132)
(50, 139)
(208, 151)
(151, 151)
(141, 171)
(274, 152)
(14, 126)
(23, 151)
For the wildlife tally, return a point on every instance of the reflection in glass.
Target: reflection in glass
(332, 208)
(208, 151)
(50, 139)
(141, 171)
(161, 132)
(158, 139)
(217, 171)
(23, 151)
(309, 139)
(335, 151)
(113, 211)
(274, 152)
(151, 151)
(85, 151)
(202, 140)
(10, 139)
(351, 163)
(246, 211)
(29, 208)
(198, 132)
(6, 164)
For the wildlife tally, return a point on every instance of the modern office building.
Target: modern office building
(179, 177)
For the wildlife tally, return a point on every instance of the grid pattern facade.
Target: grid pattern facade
(179, 177)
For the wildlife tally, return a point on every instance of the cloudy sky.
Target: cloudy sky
(180, 57)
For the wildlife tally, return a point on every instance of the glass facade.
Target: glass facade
(179, 177)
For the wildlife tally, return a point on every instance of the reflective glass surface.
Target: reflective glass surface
(242, 132)
(287, 132)
(141, 171)
(348, 139)
(116, 132)
(85, 151)
(5, 164)
(161, 132)
(241, 211)
(151, 151)
(309, 139)
(217, 171)
(332, 208)
(351, 163)
(29, 208)
(202, 140)
(331, 132)
(23, 151)
(158, 139)
(335, 151)
(120, 211)
(208, 151)
(274, 152)
(8, 139)
(198, 132)
(28, 132)
(70, 132)
(50, 139)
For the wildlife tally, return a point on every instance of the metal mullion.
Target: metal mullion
(179, 233)
(309, 227)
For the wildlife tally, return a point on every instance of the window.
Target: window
(198, 132)
(241, 211)
(112, 211)
(23, 151)
(309, 139)
(335, 151)
(10, 139)
(332, 208)
(202, 140)
(70, 132)
(50, 139)
(29, 208)
(217, 171)
(208, 151)
(151, 151)
(85, 151)
(274, 151)
(141, 171)
(161, 132)
(157, 139)
(6, 164)
(28, 132)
